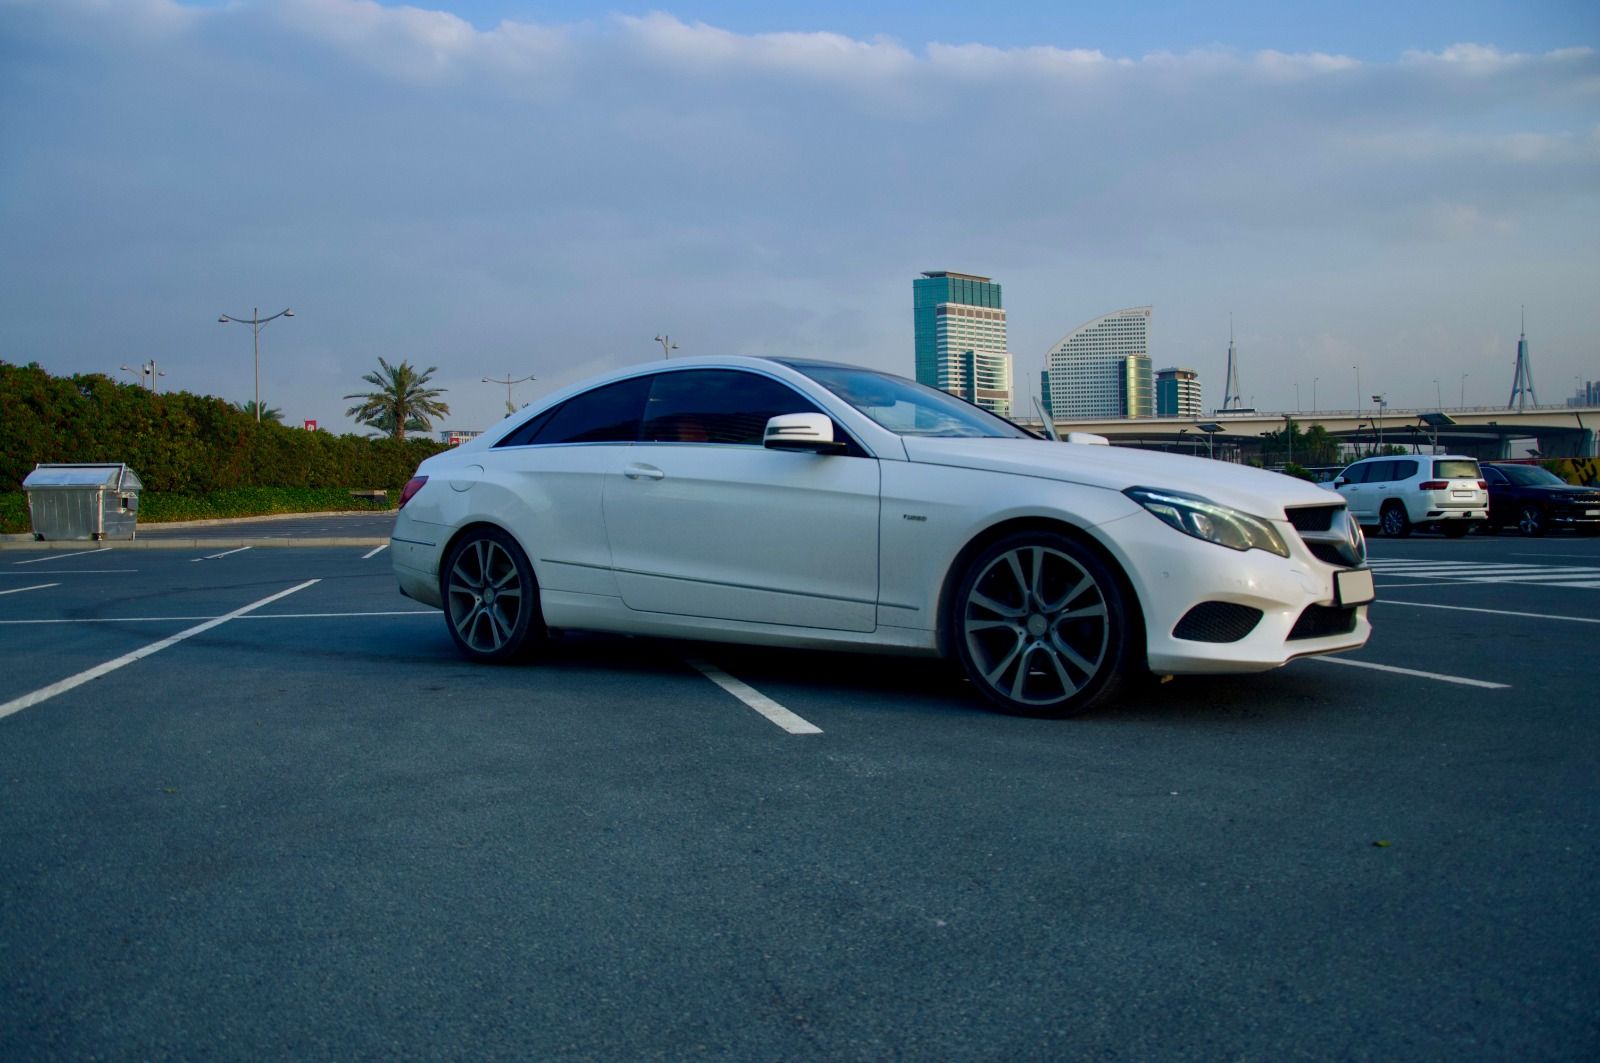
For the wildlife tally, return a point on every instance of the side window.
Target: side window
(1404, 470)
(716, 406)
(1380, 472)
(607, 414)
(1356, 474)
(1493, 475)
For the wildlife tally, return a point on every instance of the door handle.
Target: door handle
(643, 472)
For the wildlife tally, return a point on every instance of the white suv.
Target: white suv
(1446, 491)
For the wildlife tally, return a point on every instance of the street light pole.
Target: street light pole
(256, 322)
(147, 373)
(667, 346)
(508, 382)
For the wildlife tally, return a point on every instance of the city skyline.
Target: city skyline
(550, 186)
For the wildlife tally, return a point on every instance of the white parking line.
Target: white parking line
(58, 557)
(1495, 612)
(225, 553)
(756, 700)
(35, 587)
(374, 553)
(1460, 680)
(71, 682)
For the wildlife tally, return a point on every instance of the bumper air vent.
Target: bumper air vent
(1217, 622)
(1320, 621)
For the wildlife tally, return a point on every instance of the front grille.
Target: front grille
(1217, 622)
(1330, 534)
(1312, 518)
(1320, 621)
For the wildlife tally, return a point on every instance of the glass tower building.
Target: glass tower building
(1102, 368)
(960, 330)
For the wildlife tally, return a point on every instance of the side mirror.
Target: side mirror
(1340, 482)
(802, 431)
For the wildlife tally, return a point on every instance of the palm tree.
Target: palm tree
(268, 413)
(402, 402)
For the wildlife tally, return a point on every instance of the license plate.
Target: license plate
(1591, 513)
(1353, 586)
(1462, 494)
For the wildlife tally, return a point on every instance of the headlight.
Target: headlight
(1205, 519)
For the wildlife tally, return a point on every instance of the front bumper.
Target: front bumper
(1209, 609)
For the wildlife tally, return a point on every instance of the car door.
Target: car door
(704, 521)
(1354, 490)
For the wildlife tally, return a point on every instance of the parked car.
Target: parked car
(804, 503)
(1440, 491)
(1536, 500)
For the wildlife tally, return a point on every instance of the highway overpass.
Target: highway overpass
(1484, 432)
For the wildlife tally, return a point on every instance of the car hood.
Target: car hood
(1563, 491)
(1256, 491)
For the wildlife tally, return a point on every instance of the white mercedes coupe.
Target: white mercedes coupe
(791, 502)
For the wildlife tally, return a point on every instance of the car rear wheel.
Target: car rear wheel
(1041, 625)
(1531, 521)
(491, 600)
(1394, 521)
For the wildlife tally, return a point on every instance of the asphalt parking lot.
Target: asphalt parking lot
(256, 806)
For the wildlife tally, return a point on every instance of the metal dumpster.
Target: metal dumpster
(83, 501)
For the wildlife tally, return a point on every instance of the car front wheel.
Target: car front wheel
(1531, 521)
(1041, 625)
(491, 600)
(1394, 521)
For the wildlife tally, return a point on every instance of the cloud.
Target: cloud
(546, 198)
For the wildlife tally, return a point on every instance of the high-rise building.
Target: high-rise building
(961, 338)
(1102, 368)
(1178, 393)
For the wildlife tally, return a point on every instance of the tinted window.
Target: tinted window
(716, 406)
(1457, 469)
(1402, 470)
(607, 414)
(1355, 474)
(1493, 475)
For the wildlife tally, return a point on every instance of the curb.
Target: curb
(27, 541)
(81, 546)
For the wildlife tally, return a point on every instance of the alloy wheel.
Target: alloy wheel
(1037, 627)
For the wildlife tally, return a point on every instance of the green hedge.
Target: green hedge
(237, 502)
(180, 443)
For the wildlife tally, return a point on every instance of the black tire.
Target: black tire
(1456, 529)
(1041, 626)
(1393, 521)
(1530, 520)
(491, 599)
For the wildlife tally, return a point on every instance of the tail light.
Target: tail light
(1483, 485)
(412, 486)
(1431, 485)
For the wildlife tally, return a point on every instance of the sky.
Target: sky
(1372, 193)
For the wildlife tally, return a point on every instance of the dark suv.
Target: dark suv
(1536, 500)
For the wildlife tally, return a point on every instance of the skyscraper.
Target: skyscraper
(960, 329)
(1102, 368)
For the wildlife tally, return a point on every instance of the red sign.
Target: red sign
(311, 426)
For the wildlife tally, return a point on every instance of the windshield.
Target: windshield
(1530, 475)
(908, 408)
